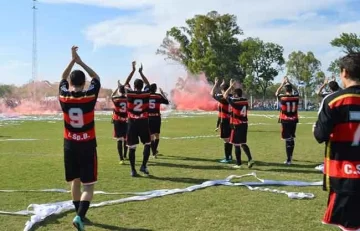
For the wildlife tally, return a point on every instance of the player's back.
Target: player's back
(138, 104)
(120, 108)
(155, 101)
(239, 110)
(344, 144)
(289, 107)
(223, 106)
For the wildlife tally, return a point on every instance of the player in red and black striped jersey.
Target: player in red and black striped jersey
(80, 156)
(224, 118)
(119, 119)
(338, 125)
(138, 119)
(288, 116)
(239, 123)
(155, 102)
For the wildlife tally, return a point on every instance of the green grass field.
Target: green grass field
(38, 164)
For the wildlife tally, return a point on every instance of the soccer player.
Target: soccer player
(80, 156)
(155, 102)
(239, 123)
(224, 116)
(334, 87)
(138, 120)
(288, 116)
(338, 125)
(119, 118)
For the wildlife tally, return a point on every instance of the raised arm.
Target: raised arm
(116, 90)
(164, 96)
(69, 67)
(212, 92)
(128, 79)
(227, 92)
(88, 69)
(277, 93)
(322, 87)
(146, 81)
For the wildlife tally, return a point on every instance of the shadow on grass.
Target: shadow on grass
(261, 163)
(180, 179)
(264, 131)
(1, 136)
(54, 219)
(290, 170)
(201, 167)
(190, 158)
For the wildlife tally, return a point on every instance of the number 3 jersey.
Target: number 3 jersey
(289, 108)
(338, 125)
(138, 103)
(78, 109)
(120, 108)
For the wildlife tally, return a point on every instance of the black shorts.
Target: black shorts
(288, 130)
(343, 211)
(239, 134)
(120, 129)
(138, 128)
(225, 129)
(81, 162)
(155, 124)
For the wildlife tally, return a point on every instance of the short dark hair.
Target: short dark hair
(153, 88)
(288, 88)
(138, 84)
(351, 63)
(77, 78)
(122, 89)
(224, 87)
(334, 86)
(238, 92)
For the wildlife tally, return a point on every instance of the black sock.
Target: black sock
(290, 144)
(132, 158)
(156, 144)
(76, 204)
(83, 208)
(120, 149)
(146, 154)
(247, 151)
(238, 155)
(228, 150)
(153, 149)
(125, 149)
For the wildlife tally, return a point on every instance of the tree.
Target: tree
(261, 60)
(305, 68)
(349, 43)
(6, 90)
(207, 44)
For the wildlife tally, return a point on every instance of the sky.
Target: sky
(111, 34)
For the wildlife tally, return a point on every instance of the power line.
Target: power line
(34, 48)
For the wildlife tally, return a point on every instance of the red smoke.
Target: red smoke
(193, 93)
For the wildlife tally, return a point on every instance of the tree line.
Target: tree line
(210, 43)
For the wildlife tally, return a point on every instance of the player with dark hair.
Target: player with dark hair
(288, 116)
(138, 120)
(239, 123)
(119, 118)
(80, 156)
(338, 125)
(155, 102)
(224, 117)
(334, 87)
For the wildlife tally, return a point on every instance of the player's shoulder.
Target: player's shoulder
(331, 96)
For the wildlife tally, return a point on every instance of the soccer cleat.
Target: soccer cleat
(134, 174)
(144, 170)
(287, 162)
(78, 223)
(226, 161)
(237, 166)
(251, 163)
(320, 167)
(121, 162)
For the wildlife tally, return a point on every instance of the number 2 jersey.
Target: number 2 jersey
(138, 103)
(289, 105)
(338, 125)
(78, 110)
(120, 108)
(239, 109)
(155, 102)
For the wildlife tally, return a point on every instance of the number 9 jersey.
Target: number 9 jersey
(78, 109)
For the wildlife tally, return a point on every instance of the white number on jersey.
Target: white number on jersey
(122, 107)
(291, 107)
(243, 111)
(152, 103)
(76, 116)
(138, 105)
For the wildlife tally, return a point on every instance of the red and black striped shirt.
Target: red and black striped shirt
(78, 109)
(338, 125)
(289, 105)
(120, 108)
(138, 103)
(155, 102)
(223, 107)
(239, 110)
